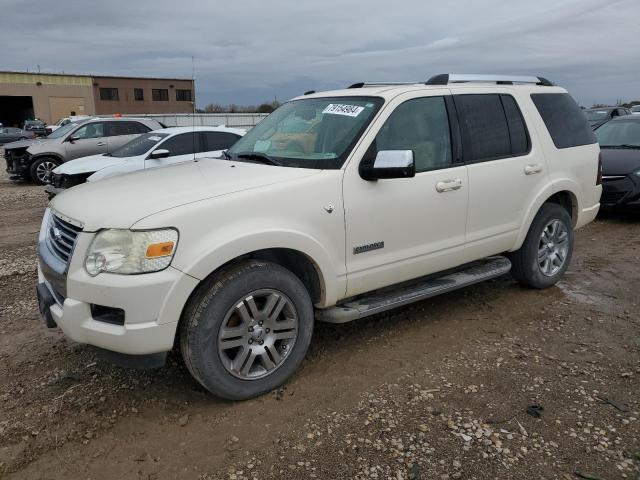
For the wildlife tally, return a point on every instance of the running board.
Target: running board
(414, 291)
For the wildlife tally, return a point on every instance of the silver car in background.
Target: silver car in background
(35, 159)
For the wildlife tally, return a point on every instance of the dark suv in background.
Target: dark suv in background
(34, 160)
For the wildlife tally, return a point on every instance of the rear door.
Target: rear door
(214, 143)
(89, 139)
(122, 132)
(181, 149)
(506, 169)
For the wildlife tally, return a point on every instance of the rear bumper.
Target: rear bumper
(587, 215)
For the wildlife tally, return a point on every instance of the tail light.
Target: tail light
(599, 177)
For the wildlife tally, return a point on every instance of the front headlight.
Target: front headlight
(129, 252)
(44, 226)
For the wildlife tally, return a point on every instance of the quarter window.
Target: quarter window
(138, 94)
(564, 120)
(160, 95)
(483, 127)
(183, 95)
(126, 128)
(420, 125)
(518, 134)
(109, 94)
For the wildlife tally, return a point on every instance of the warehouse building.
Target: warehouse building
(49, 97)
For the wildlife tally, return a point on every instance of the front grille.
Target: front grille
(609, 198)
(62, 237)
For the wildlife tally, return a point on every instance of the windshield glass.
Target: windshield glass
(62, 131)
(310, 133)
(635, 109)
(618, 133)
(139, 145)
(596, 114)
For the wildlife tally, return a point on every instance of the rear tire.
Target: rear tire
(247, 329)
(40, 170)
(546, 252)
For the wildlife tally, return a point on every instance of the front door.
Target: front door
(89, 139)
(399, 229)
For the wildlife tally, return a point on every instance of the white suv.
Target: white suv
(337, 206)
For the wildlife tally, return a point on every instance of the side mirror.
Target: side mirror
(160, 153)
(389, 164)
(73, 138)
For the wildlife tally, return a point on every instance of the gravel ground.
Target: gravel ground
(438, 390)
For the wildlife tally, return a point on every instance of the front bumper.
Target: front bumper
(18, 163)
(152, 303)
(621, 191)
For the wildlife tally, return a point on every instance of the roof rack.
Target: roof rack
(381, 84)
(447, 78)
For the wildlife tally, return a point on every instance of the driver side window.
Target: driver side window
(92, 130)
(420, 125)
(183, 144)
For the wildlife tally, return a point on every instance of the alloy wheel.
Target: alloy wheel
(257, 334)
(553, 247)
(44, 169)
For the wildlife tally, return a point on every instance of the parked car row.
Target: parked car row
(599, 116)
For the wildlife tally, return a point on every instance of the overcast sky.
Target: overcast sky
(250, 51)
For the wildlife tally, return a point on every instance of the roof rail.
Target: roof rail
(447, 78)
(381, 84)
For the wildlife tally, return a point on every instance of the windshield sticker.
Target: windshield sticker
(339, 109)
(154, 139)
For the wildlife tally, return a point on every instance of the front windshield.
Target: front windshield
(139, 145)
(618, 133)
(62, 131)
(594, 115)
(311, 132)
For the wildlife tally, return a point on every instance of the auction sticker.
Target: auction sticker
(340, 109)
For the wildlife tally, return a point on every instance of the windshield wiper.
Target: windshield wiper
(624, 145)
(259, 157)
(226, 155)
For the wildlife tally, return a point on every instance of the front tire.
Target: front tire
(40, 170)
(546, 252)
(247, 329)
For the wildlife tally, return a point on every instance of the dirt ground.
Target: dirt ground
(438, 390)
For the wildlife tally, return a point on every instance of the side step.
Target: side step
(414, 291)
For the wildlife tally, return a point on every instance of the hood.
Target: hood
(121, 201)
(89, 164)
(620, 161)
(22, 143)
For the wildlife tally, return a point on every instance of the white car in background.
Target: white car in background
(635, 110)
(65, 121)
(150, 150)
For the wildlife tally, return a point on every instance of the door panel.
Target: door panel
(500, 189)
(91, 141)
(399, 229)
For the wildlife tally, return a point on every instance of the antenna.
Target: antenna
(193, 102)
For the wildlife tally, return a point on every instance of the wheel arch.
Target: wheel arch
(53, 155)
(565, 197)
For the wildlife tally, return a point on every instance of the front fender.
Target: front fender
(218, 254)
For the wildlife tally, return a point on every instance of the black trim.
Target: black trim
(441, 79)
(454, 130)
(356, 85)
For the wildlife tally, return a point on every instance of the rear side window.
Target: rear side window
(127, 128)
(183, 144)
(218, 140)
(564, 120)
(483, 126)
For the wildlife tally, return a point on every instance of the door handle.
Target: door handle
(532, 169)
(100, 144)
(448, 185)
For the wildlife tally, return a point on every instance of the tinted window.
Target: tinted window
(160, 95)
(420, 125)
(138, 94)
(183, 144)
(218, 140)
(139, 145)
(126, 128)
(620, 132)
(108, 94)
(564, 120)
(483, 126)
(517, 129)
(91, 130)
